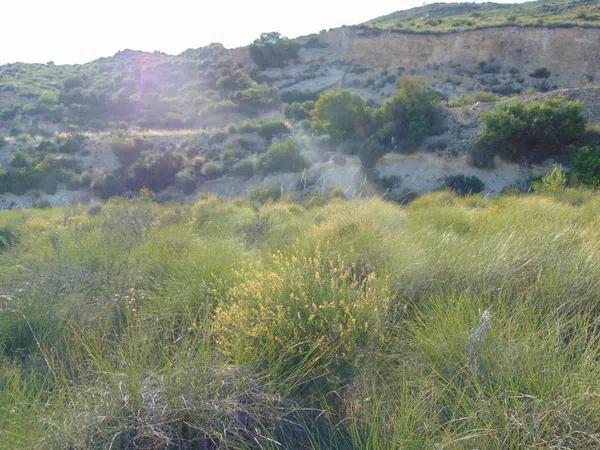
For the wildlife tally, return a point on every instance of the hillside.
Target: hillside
(446, 17)
(204, 120)
(383, 236)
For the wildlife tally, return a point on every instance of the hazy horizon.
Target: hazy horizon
(72, 32)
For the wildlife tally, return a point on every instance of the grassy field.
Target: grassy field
(453, 323)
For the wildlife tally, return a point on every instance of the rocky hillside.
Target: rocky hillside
(213, 119)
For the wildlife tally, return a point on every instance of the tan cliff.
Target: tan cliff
(572, 54)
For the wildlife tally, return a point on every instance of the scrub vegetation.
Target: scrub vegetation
(459, 322)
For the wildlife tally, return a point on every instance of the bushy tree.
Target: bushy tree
(534, 131)
(154, 170)
(284, 156)
(413, 113)
(273, 50)
(342, 114)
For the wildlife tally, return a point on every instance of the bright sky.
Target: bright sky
(77, 31)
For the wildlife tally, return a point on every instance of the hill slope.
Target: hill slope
(444, 17)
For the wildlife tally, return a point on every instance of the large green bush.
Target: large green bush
(342, 114)
(154, 170)
(285, 156)
(273, 50)
(586, 166)
(413, 113)
(533, 131)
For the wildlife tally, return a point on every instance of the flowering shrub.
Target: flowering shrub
(307, 319)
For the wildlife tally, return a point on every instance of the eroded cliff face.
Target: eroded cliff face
(571, 54)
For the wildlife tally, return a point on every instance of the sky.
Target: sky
(78, 31)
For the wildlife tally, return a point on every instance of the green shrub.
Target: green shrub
(533, 131)
(464, 185)
(299, 111)
(212, 170)
(284, 156)
(586, 166)
(234, 80)
(243, 168)
(489, 67)
(273, 50)
(342, 114)
(551, 183)
(541, 72)
(257, 99)
(127, 150)
(262, 194)
(410, 115)
(108, 185)
(186, 180)
(305, 322)
(470, 99)
(153, 170)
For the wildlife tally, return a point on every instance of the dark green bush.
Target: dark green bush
(464, 185)
(212, 170)
(127, 150)
(586, 166)
(541, 72)
(234, 80)
(257, 99)
(153, 170)
(533, 131)
(489, 67)
(410, 115)
(273, 50)
(186, 180)
(243, 168)
(284, 156)
(108, 185)
(342, 114)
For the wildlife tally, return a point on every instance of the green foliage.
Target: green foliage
(273, 50)
(186, 180)
(257, 99)
(127, 150)
(285, 156)
(43, 172)
(243, 168)
(312, 325)
(586, 166)
(489, 67)
(533, 131)
(212, 170)
(298, 110)
(410, 115)
(234, 80)
(541, 72)
(443, 18)
(153, 170)
(282, 320)
(342, 114)
(551, 183)
(464, 185)
(471, 99)
(265, 194)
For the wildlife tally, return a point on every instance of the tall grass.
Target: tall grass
(452, 323)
